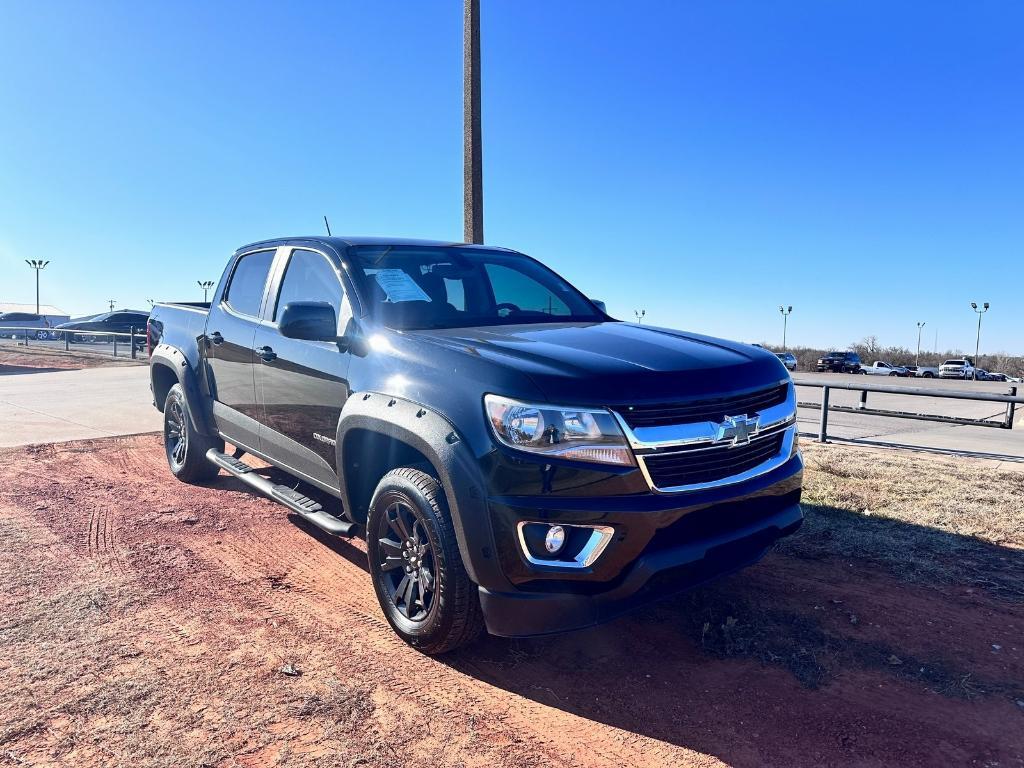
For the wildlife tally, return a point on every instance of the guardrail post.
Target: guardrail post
(823, 425)
(67, 341)
(115, 345)
(1010, 408)
(863, 400)
(131, 340)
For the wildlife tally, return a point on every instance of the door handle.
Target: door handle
(215, 338)
(266, 354)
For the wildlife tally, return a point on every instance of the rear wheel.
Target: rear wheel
(185, 447)
(417, 570)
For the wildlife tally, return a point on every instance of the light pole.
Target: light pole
(205, 285)
(472, 148)
(917, 360)
(786, 312)
(977, 341)
(38, 266)
(640, 314)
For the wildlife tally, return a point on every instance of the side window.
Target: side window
(245, 291)
(309, 277)
(514, 287)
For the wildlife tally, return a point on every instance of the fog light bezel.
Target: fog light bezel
(593, 547)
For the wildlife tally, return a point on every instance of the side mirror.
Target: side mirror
(309, 320)
(600, 305)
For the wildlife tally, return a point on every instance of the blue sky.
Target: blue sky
(862, 161)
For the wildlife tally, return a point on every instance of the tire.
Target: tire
(417, 571)
(927, 375)
(184, 447)
(894, 374)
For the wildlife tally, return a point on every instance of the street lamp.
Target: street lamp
(205, 285)
(977, 341)
(38, 266)
(917, 360)
(640, 314)
(786, 312)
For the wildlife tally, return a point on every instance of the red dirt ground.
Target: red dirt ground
(146, 623)
(15, 360)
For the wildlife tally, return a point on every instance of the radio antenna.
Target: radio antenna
(328, 225)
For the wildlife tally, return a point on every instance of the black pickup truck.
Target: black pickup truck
(514, 457)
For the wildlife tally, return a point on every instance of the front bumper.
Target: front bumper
(663, 544)
(652, 577)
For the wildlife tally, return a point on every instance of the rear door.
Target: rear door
(230, 330)
(302, 385)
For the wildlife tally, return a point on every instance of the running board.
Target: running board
(297, 502)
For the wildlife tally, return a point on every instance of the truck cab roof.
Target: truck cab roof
(340, 242)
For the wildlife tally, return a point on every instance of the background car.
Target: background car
(923, 371)
(12, 323)
(839, 362)
(788, 359)
(121, 321)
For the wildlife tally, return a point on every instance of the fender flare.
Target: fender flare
(173, 359)
(439, 441)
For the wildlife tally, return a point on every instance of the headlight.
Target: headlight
(580, 434)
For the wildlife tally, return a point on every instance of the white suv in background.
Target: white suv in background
(961, 368)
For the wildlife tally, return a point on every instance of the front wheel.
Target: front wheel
(418, 574)
(185, 447)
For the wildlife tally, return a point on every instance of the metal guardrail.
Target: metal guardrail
(134, 340)
(1011, 399)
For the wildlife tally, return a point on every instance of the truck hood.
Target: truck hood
(612, 362)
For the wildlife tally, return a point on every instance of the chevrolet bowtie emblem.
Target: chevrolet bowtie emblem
(736, 429)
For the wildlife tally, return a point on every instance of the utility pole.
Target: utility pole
(111, 304)
(917, 360)
(640, 314)
(38, 266)
(206, 285)
(786, 312)
(472, 150)
(977, 341)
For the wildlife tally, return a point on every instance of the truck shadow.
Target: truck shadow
(858, 637)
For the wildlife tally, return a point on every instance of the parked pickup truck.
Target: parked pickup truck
(838, 362)
(881, 368)
(960, 368)
(923, 371)
(514, 457)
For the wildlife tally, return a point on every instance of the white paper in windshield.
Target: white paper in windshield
(398, 286)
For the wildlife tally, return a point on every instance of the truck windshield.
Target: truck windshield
(415, 287)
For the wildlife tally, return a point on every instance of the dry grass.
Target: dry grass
(962, 497)
(926, 520)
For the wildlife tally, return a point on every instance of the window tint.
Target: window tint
(245, 293)
(308, 277)
(511, 286)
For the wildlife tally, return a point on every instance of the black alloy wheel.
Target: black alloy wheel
(416, 566)
(406, 566)
(175, 434)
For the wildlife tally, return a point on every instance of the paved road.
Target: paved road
(55, 406)
(912, 433)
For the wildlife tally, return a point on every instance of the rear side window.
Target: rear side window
(308, 277)
(245, 291)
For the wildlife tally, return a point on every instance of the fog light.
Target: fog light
(555, 539)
